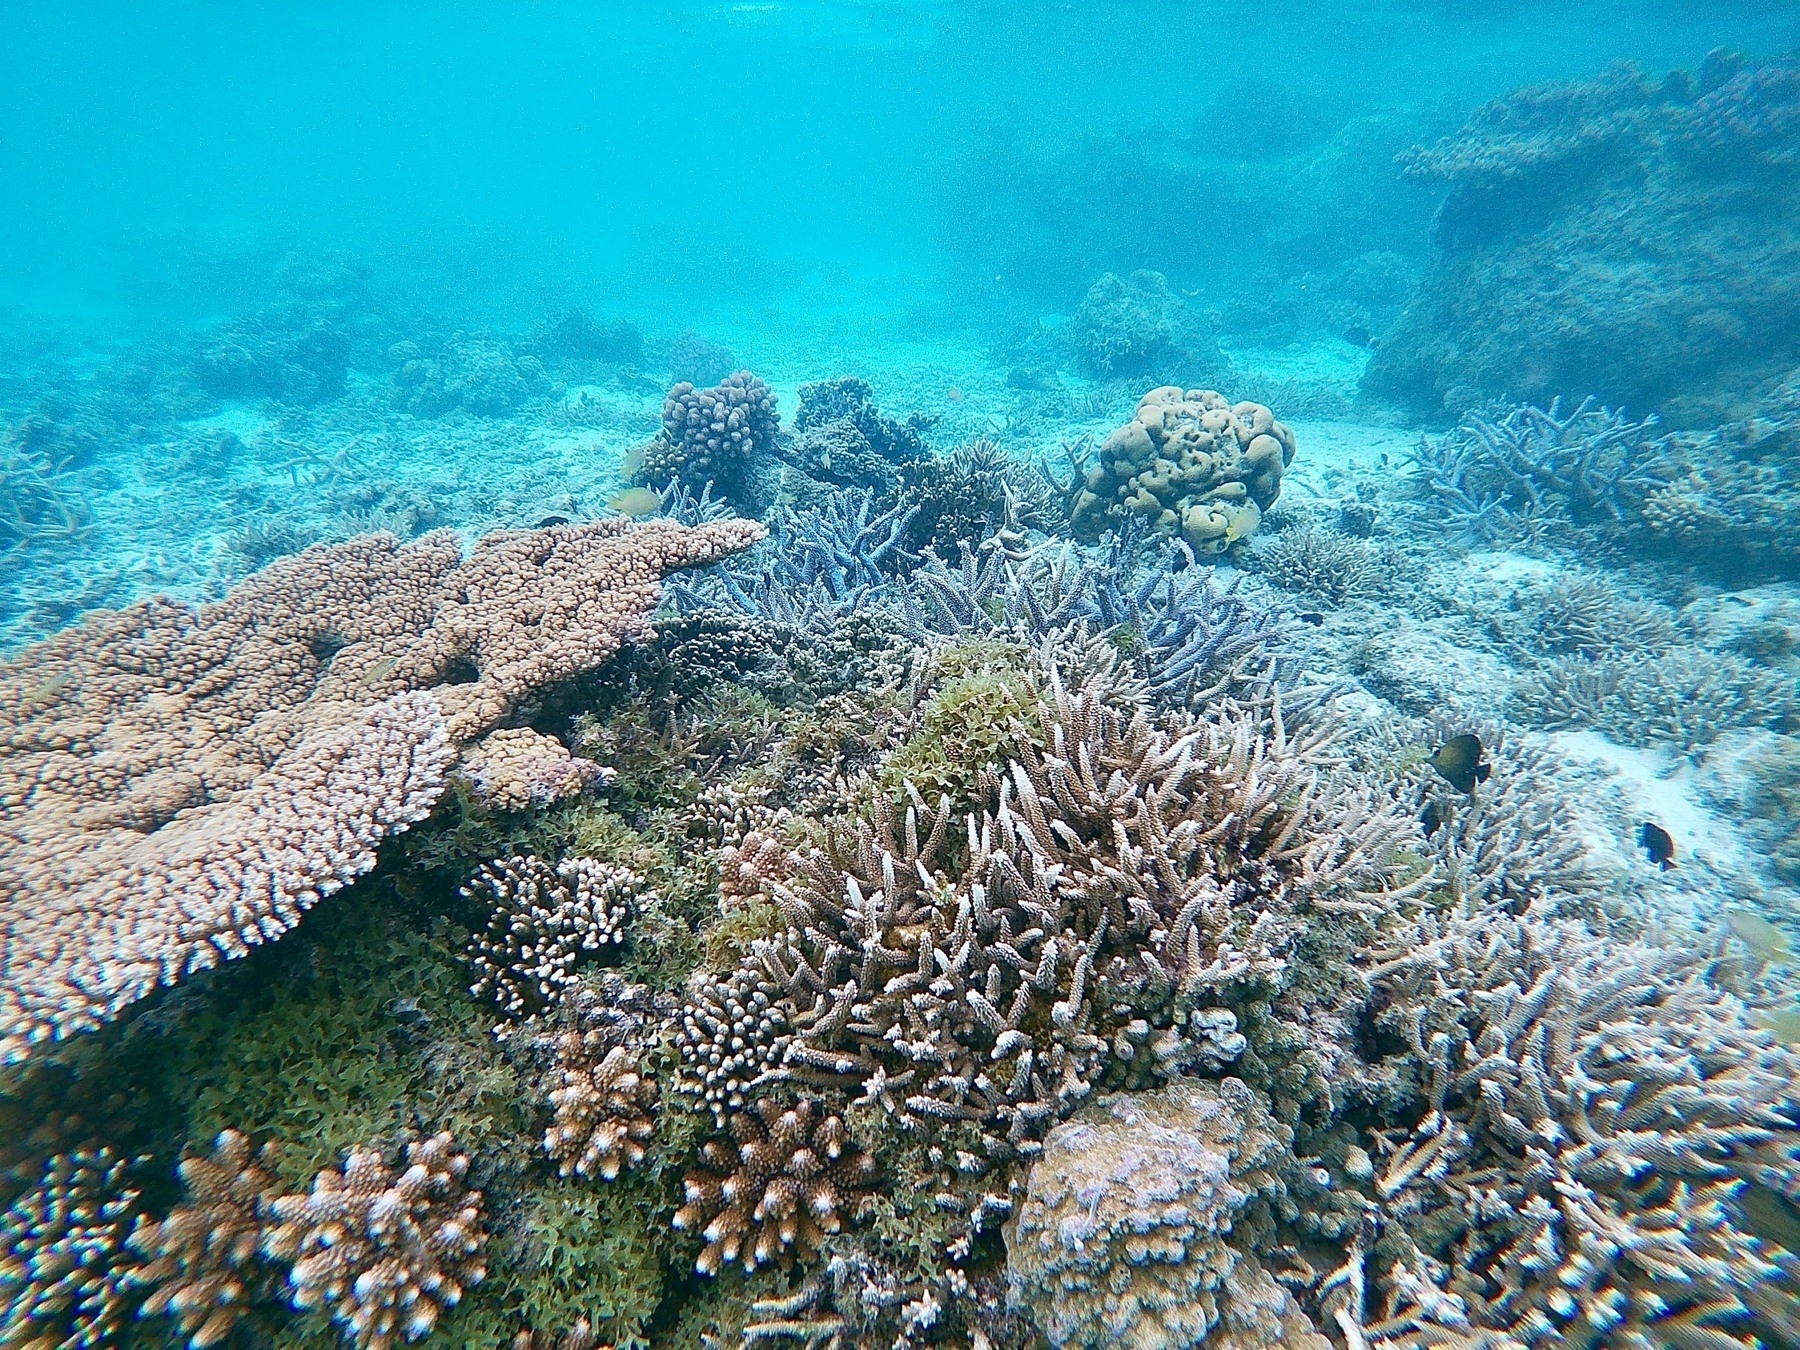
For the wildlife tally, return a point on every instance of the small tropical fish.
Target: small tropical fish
(1658, 843)
(1785, 1023)
(636, 501)
(548, 521)
(1434, 817)
(634, 462)
(1459, 761)
(378, 672)
(954, 394)
(1313, 617)
(1765, 941)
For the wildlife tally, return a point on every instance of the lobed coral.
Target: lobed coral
(201, 777)
(1125, 1232)
(724, 436)
(1135, 325)
(384, 1252)
(543, 923)
(1191, 464)
(790, 1178)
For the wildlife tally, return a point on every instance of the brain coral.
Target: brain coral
(1191, 463)
(1122, 1236)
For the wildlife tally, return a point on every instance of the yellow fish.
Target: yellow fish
(1765, 941)
(636, 501)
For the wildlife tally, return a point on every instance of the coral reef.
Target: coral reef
(544, 922)
(1324, 564)
(791, 1177)
(972, 494)
(1123, 1235)
(1596, 1124)
(1608, 237)
(575, 335)
(724, 437)
(293, 353)
(202, 777)
(199, 1258)
(513, 768)
(1191, 464)
(1132, 326)
(841, 437)
(1684, 697)
(468, 373)
(385, 1252)
(40, 501)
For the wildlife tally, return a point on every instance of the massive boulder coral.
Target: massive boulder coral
(179, 784)
(1124, 1236)
(1624, 236)
(1190, 463)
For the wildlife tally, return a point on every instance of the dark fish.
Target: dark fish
(548, 521)
(1434, 817)
(1358, 335)
(1313, 617)
(1658, 843)
(1460, 763)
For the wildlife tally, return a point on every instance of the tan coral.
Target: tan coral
(791, 1176)
(602, 1108)
(178, 784)
(386, 1253)
(750, 870)
(199, 1255)
(515, 768)
(1192, 463)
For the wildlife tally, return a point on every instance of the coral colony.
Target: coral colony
(873, 892)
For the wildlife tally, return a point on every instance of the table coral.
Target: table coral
(200, 777)
(1191, 463)
(385, 1252)
(1124, 1234)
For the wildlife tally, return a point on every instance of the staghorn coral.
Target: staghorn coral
(1594, 1124)
(977, 975)
(201, 777)
(1324, 564)
(1191, 464)
(723, 436)
(1726, 511)
(514, 768)
(543, 922)
(1685, 697)
(385, 1252)
(67, 1276)
(731, 1031)
(791, 1176)
(1583, 614)
(198, 1259)
(602, 1107)
(1123, 1234)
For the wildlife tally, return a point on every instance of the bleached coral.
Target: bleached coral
(1595, 1123)
(790, 1177)
(544, 922)
(201, 777)
(199, 1259)
(1123, 1236)
(384, 1252)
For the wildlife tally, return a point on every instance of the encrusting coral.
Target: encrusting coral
(386, 1253)
(545, 921)
(602, 1108)
(1191, 463)
(791, 1176)
(199, 778)
(199, 1258)
(1123, 1237)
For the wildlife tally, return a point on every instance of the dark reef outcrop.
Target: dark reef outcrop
(1626, 236)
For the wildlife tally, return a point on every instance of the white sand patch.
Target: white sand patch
(1504, 568)
(1325, 453)
(238, 419)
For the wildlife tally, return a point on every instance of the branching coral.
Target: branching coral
(603, 1122)
(201, 777)
(731, 1031)
(1684, 697)
(1596, 1123)
(1122, 1237)
(200, 1257)
(386, 1253)
(1190, 463)
(66, 1275)
(544, 923)
(1330, 566)
(1584, 614)
(791, 1176)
